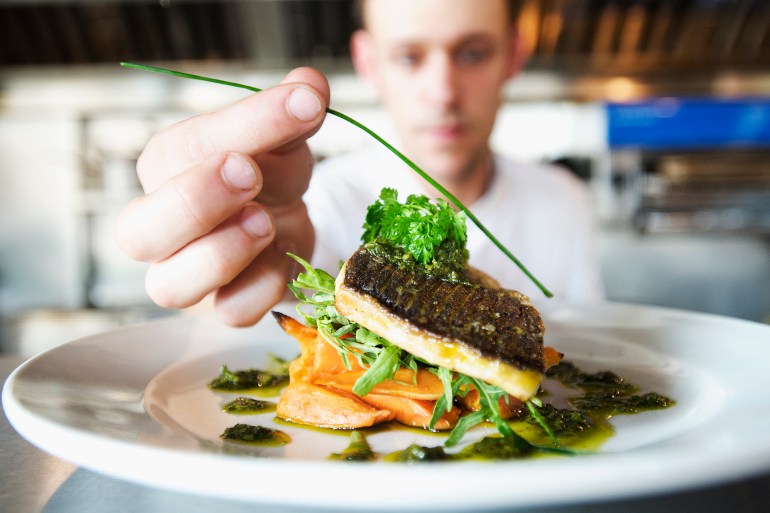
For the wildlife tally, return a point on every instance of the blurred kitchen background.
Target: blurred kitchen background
(663, 107)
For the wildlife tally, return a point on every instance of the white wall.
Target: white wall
(39, 232)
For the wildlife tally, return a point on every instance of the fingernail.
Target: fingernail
(239, 174)
(303, 105)
(256, 221)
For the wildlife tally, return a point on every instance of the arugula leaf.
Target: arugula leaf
(463, 425)
(381, 357)
(383, 368)
(533, 405)
(445, 375)
(313, 279)
(489, 395)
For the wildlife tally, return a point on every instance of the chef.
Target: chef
(229, 193)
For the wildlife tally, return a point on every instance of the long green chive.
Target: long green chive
(448, 195)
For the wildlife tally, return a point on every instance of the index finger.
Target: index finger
(257, 124)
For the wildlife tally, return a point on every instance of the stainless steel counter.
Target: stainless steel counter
(32, 481)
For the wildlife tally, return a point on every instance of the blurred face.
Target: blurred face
(439, 66)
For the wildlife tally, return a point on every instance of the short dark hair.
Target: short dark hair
(358, 11)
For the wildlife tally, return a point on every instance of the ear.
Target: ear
(517, 52)
(364, 57)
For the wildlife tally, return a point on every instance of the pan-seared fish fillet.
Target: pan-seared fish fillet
(491, 334)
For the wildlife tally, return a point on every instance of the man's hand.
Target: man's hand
(223, 201)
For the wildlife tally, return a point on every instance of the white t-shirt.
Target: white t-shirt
(542, 214)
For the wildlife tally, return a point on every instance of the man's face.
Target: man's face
(439, 66)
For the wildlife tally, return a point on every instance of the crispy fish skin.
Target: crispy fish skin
(491, 334)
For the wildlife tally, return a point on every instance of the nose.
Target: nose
(441, 82)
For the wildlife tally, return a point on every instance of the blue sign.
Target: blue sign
(689, 123)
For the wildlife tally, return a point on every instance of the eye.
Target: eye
(472, 55)
(408, 59)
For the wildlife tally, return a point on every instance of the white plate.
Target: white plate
(133, 403)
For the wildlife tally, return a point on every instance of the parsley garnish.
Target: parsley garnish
(418, 226)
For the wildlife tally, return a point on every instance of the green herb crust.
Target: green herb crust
(448, 262)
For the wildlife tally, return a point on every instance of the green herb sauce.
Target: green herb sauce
(605, 392)
(252, 380)
(624, 405)
(256, 435)
(488, 448)
(569, 375)
(564, 422)
(358, 450)
(498, 448)
(585, 436)
(248, 406)
(418, 454)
